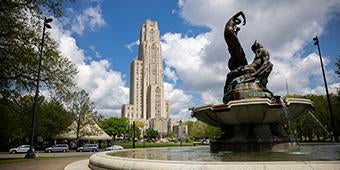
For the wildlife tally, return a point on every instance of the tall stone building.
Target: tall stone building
(147, 102)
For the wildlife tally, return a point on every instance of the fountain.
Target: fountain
(249, 114)
(251, 119)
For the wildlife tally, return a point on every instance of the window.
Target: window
(152, 35)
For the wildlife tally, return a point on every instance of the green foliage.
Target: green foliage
(83, 113)
(115, 126)
(151, 134)
(52, 119)
(139, 124)
(129, 133)
(20, 41)
(15, 122)
(306, 127)
(169, 135)
(199, 129)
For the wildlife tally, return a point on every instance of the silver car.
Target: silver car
(20, 149)
(58, 148)
(88, 148)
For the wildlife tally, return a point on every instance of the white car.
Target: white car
(20, 149)
(114, 147)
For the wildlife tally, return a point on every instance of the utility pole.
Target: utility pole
(30, 153)
(335, 134)
(133, 134)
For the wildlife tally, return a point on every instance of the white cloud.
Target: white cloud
(179, 102)
(170, 74)
(209, 97)
(96, 53)
(132, 45)
(283, 27)
(66, 43)
(91, 17)
(105, 86)
(185, 55)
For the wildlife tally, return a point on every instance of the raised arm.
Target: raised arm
(231, 25)
(235, 17)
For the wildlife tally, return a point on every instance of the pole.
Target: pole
(180, 133)
(316, 39)
(133, 134)
(30, 152)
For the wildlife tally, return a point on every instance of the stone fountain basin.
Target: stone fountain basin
(251, 111)
(142, 160)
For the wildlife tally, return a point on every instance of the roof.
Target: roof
(90, 131)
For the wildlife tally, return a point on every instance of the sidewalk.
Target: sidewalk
(46, 164)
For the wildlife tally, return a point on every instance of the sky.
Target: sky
(101, 38)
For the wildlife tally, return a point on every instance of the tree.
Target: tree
(52, 119)
(16, 118)
(115, 126)
(317, 124)
(151, 134)
(20, 38)
(198, 129)
(83, 113)
(138, 132)
(211, 131)
(139, 124)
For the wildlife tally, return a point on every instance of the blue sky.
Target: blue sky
(123, 21)
(100, 38)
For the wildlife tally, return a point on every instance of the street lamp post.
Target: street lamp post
(316, 42)
(30, 153)
(180, 133)
(133, 134)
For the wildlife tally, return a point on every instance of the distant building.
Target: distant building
(147, 101)
(180, 131)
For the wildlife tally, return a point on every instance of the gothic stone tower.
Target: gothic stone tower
(147, 102)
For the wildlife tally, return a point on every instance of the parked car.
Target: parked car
(20, 149)
(58, 148)
(114, 147)
(88, 148)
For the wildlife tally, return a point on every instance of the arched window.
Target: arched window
(152, 35)
(158, 102)
(153, 65)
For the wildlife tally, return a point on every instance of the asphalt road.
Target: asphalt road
(6, 155)
(58, 160)
(58, 163)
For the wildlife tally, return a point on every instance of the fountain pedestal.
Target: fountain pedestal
(253, 137)
(251, 124)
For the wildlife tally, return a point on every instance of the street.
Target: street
(6, 155)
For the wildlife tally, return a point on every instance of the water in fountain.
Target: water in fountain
(287, 118)
(307, 153)
(319, 123)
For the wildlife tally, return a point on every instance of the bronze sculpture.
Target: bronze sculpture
(242, 74)
(251, 118)
(237, 56)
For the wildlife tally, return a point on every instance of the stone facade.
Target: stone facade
(180, 131)
(147, 101)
